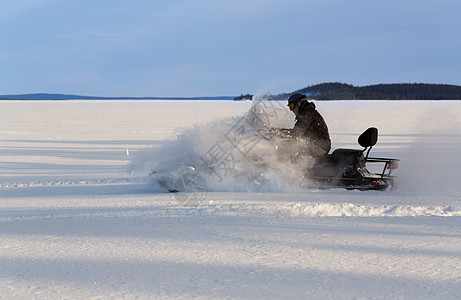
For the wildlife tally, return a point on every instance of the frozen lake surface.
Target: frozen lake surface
(79, 217)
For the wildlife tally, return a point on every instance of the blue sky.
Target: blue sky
(209, 48)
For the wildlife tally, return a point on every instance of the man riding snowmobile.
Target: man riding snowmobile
(310, 129)
(307, 146)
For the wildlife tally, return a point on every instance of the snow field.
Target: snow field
(78, 218)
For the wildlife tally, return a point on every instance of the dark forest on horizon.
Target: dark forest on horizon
(394, 91)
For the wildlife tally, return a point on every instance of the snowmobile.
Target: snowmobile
(343, 168)
(347, 168)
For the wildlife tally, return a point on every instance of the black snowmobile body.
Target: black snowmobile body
(347, 168)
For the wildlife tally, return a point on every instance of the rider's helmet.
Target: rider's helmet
(294, 100)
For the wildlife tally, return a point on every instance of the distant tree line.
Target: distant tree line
(244, 97)
(397, 91)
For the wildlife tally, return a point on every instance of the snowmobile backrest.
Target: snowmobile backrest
(369, 137)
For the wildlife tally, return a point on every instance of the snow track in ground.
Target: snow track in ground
(74, 182)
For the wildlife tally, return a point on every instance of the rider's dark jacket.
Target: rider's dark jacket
(311, 127)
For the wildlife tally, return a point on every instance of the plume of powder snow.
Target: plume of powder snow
(237, 154)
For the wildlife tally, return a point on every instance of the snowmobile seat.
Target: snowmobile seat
(337, 164)
(342, 158)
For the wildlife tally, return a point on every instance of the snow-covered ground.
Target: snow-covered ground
(80, 219)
